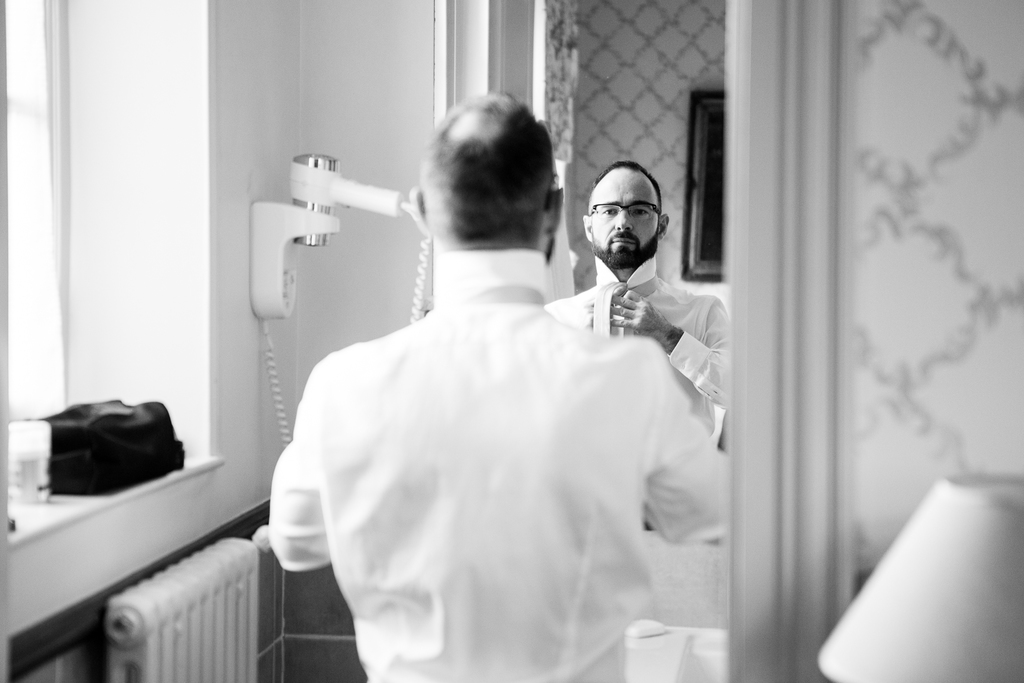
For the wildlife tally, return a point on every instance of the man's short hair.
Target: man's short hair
(492, 164)
(631, 165)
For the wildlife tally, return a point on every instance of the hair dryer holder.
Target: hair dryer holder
(276, 229)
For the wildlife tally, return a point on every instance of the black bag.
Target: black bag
(97, 447)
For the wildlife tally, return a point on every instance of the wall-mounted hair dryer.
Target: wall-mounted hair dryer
(276, 230)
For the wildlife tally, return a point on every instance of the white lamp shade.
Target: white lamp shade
(946, 603)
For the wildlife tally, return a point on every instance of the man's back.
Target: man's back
(484, 502)
(479, 479)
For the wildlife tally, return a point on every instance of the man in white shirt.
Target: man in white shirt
(479, 479)
(624, 226)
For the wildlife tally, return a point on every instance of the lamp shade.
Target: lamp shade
(946, 602)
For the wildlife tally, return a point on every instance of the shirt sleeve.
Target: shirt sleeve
(686, 477)
(297, 531)
(705, 362)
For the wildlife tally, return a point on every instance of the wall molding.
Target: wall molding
(789, 262)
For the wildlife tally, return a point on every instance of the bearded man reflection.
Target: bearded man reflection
(624, 225)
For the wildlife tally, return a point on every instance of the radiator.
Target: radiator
(194, 622)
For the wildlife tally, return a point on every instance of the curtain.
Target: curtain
(560, 78)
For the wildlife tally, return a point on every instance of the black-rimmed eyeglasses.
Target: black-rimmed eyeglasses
(637, 211)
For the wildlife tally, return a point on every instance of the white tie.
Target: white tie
(603, 310)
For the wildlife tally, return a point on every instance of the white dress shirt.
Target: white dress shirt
(700, 356)
(479, 481)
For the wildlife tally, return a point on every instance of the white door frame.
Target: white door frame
(790, 87)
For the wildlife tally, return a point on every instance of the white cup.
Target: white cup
(28, 459)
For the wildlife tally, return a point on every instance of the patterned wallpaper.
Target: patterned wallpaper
(638, 62)
(939, 297)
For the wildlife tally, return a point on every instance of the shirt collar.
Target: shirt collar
(464, 275)
(641, 281)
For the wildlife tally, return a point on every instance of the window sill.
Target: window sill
(104, 538)
(35, 520)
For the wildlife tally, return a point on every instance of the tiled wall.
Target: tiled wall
(939, 297)
(306, 633)
(271, 638)
(638, 62)
(319, 641)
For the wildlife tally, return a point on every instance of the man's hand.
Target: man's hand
(631, 311)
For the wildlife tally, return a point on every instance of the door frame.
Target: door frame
(790, 79)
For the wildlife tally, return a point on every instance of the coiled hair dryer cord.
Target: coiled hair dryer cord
(275, 388)
(420, 302)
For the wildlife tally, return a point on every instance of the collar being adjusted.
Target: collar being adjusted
(489, 276)
(643, 281)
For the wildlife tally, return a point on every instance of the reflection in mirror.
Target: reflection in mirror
(638, 64)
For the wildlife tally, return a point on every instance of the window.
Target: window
(130, 125)
(36, 351)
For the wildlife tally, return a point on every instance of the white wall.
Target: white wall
(254, 123)
(940, 274)
(139, 287)
(169, 148)
(350, 79)
(367, 98)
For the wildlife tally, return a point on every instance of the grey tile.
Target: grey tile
(279, 602)
(85, 662)
(313, 605)
(266, 666)
(319, 658)
(279, 660)
(47, 673)
(268, 600)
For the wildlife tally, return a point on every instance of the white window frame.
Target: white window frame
(60, 135)
(4, 667)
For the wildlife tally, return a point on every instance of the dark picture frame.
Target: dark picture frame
(703, 227)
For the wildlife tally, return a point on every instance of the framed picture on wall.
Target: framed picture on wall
(703, 238)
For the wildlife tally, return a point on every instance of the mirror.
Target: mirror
(788, 264)
(637, 67)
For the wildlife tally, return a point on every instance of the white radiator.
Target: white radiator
(195, 622)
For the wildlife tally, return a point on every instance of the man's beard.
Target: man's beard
(625, 259)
